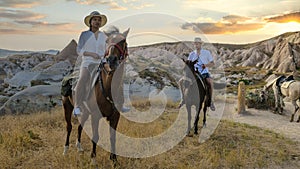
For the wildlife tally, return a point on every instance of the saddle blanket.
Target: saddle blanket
(69, 82)
(285, 85)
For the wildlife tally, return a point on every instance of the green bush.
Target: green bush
(253, 100)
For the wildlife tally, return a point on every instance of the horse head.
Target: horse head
(189, 68)
(117, 50)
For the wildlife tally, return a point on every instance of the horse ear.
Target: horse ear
(107, 34)
(125, 33)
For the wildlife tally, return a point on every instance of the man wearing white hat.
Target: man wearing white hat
(204, 61)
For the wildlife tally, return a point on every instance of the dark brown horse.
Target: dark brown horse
(194, 92)
(100, 103)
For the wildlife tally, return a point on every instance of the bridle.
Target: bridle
(123, 54)
(102, 66)
(123, 50)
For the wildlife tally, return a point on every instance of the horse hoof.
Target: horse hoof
(204, 125)
(79, 147)
(66, 150)
(113, 157)
(189, 134)
(116, 164)
(93, 161)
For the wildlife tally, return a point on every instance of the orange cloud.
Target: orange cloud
(112, 4)
(40, 23)
(19, 14)
(285, 18)
(228, 24)
(141, 6)
(19, 3)
(221, 28)
(5, 31)
(36, 27)
(235, 18)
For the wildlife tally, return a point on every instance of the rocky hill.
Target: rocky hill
(32, 81)
(157, 66)
(5, 52)
(281, 53)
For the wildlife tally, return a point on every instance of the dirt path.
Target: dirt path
(265, 119)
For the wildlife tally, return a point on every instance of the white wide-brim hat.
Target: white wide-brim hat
(94, 14)
(197, 39)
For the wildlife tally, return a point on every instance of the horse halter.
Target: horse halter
(123, 50)
(123, 54)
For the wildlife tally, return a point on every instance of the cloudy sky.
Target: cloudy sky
(44, 24)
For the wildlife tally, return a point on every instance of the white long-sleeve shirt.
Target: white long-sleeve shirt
(205, 57)
(88, 43)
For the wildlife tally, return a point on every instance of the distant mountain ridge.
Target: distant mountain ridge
(280, 53)
(6, 52)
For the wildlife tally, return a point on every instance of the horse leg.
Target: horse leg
(181, 87)
(83, 119)
(95, 138)
(298, 118)
(68, 115)
(113, 122)
(189, 111)
(204, 112)
(197, 119)
(275, 90)
(281, 104)
(296, 109)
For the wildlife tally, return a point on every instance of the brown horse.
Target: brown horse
(100, 103)
(194, 90)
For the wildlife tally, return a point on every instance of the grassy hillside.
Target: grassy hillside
(37, 140)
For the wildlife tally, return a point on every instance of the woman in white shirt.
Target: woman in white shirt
(91, 48)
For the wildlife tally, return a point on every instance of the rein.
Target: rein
(123, 51)
(101, 67)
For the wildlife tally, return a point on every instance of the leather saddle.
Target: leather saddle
(282, 79)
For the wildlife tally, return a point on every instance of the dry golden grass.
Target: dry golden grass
(37, 140)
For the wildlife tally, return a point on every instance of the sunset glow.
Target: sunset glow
(25, 24)
(290, 26)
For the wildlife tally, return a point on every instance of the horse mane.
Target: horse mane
(111, 30)
(269, 84)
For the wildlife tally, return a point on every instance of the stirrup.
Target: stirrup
(125, 109)
(212, 106)
(77, 111)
